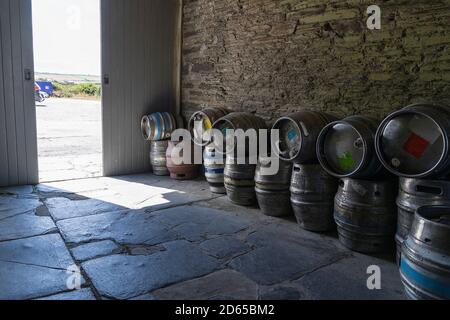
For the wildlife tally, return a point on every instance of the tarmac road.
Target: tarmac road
(69, 139)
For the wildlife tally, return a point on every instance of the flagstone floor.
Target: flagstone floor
(147, 237)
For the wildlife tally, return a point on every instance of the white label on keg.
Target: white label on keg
(305, 131)
(359, 189)
(430, 134)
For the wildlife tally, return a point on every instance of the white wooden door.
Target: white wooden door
(18, 142)
(140, 65)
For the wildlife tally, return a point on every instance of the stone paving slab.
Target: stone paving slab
(63, 208)
(152, 200)
(73, 186)
(25, 225)
(224, 247)
(94, 250)
(123, 277)
(280, 292)
(145, 192)
(347, 279)
(139, 227)
(140, 183)
(223, 284)
(78, 295)
(144, 297)
(125, 227)
(45, 251)
(222, 203)
(17, 190)
(198, 223)
(11, 206)
(285, 257)
(22, 281)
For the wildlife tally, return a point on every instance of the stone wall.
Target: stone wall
(276, 57)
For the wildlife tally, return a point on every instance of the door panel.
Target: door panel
(139, 45)
(18, 141)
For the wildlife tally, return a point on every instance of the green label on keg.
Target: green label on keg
(346, 161)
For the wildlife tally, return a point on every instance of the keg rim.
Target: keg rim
(145, 127)
(171, 121)
(277, 150)
(237, 113)
(223, 119)
(382, 128)
(191, 127)
(229, 122)
(217, 122)
(422, 214)
(429, 232)
(321, 155)
(161, 132)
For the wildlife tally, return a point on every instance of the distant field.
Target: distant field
(73, 86)
(70, 78)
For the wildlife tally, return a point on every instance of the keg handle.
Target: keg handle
(429, 189)
(358, 143)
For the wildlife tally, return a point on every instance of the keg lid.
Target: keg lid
(410, 144)
(342, 149)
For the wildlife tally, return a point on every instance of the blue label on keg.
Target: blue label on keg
(431, 285)
(209, 170)
(292, 134)
(158, 128)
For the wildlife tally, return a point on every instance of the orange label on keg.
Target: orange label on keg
(416, 145)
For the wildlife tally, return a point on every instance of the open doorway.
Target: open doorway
(67, 56)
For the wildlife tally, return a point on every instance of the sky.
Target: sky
(66, 36)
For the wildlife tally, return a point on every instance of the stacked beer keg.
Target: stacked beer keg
(425, 264)
(272, 188)
(311, 189)
(157, 128)
(213, 159)
(180, 165)
(202, 121)
(214, 163)
(336, 172)
(364, 206)
(413, 143)
(239, 172)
